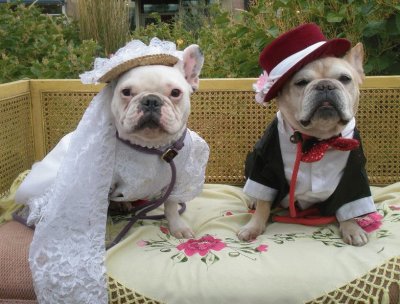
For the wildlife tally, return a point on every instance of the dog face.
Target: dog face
(151, 104)
(322, 97)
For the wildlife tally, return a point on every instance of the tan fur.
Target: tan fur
(297, 103)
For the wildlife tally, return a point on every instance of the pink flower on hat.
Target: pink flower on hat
(262, 86)
(259, 85)
(292, 50)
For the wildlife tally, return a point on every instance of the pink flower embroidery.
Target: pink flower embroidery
(370, 222)
(394, 207)
(164, 230)
(201, 246)
(141, 243)
(262, 248)
(228, 213)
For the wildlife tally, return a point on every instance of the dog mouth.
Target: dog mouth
(148, 121)
(326, 109)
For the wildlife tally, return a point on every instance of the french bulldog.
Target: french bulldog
(132, 144)
(151, 107)
(320, 100)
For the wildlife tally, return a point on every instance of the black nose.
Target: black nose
(151, 103)
(325, 86)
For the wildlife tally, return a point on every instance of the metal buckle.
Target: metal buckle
(296, 137)
(169, 155)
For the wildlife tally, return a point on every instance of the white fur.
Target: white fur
(159, 81)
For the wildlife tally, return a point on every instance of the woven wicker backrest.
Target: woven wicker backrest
(34, 116)
(17, 151)
(231, 122)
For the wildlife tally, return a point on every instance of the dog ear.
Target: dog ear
(193, 60)
(356, 57)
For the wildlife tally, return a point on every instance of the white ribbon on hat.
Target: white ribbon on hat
(266, 81)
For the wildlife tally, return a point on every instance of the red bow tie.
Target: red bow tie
(314, 150)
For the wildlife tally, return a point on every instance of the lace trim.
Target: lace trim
(380, 285)
(118, 294)
(129, 56)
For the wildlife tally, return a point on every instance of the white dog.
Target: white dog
(317, 94)
(132, 143)
(151, 107)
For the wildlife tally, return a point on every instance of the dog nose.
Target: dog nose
(151, 103)
(325, 86)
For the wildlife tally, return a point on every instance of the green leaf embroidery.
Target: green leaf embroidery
(210, 258)
(180, 257)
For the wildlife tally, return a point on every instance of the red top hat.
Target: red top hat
(289, 53)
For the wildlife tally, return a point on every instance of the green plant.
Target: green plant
(374, 23)
(233, 42)
(33, 45)
(226, 54)
(37, 46)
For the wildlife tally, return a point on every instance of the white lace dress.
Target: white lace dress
(68, 194)
(144, 176)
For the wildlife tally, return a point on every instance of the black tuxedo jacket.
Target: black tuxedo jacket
(264, 165)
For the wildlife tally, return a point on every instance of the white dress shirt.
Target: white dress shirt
(315, 181)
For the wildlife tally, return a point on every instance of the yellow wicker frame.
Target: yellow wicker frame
(35, 114)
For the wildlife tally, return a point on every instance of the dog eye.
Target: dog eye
(301, 83)
(126, 92)
(344, 79)
(175, 93)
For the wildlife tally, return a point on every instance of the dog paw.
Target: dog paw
(353, 234)
(250, 231)
(251, 203)
(180, 230)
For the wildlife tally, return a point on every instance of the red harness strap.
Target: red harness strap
(311, 216)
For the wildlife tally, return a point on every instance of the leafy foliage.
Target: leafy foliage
(374, 23)
(37, 46)
(233, 42)
(33, 45)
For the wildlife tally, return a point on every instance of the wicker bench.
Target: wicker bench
(35, 114)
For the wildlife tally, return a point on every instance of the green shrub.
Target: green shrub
(37, 46)
(226, 53)
(233, 42)
(374, 23)
(33, 45)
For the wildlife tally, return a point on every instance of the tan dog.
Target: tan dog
(320, 101)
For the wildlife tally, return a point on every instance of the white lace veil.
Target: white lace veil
(68, 251)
